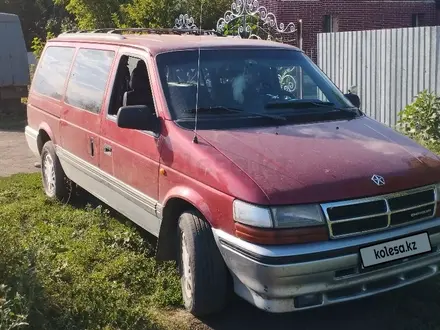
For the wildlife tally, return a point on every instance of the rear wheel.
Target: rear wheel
(55, 182)
(203, 273)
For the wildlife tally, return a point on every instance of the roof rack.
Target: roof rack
(148, 30)
(87, 35)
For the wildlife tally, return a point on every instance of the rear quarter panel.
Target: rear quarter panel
(44, 113)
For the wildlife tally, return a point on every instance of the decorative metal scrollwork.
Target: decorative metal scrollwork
(243, 8)
(287, 79)
(184, 21)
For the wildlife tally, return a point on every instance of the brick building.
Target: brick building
(438, 11)
(352, 15)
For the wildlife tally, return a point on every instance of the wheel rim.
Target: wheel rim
(186, 274)
(49, 174)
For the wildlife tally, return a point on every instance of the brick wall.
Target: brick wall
(352, 15)
(438, 11)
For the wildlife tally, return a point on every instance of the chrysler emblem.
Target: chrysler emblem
(378, 180)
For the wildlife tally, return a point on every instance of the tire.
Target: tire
(203, 273)
(55, 182)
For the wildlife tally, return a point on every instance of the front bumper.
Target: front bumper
(32, 140)
(296, 277)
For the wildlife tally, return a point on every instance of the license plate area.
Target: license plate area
(395, 250)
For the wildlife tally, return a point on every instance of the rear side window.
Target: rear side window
(52, 72)
(88, 79)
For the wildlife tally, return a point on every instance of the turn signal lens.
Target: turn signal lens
(281, 236)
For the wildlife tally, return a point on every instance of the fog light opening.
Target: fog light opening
(346, 272)
(308, 300)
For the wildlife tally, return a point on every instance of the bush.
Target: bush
(420, 120)
(13, 310)
(38, 44)
(76, 268)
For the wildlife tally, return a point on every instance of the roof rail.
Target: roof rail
(85, 34)
(147, 30)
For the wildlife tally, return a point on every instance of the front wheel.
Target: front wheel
(203, 273)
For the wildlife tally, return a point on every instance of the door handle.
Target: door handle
(92, 147)
(107, 149)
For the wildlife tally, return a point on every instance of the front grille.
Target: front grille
(367, 224)
(365, 215)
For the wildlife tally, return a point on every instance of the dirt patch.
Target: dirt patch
(13, 120)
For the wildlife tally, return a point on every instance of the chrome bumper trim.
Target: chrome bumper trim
(272, 278)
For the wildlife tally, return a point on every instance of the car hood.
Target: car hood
(326, 161)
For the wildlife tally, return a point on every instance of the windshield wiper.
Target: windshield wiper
(234, 110)
(304, 104)
(332, 106)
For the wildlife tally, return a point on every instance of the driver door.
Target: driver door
(131, 157)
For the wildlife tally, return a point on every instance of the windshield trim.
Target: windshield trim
(224, 122)
(228, 47)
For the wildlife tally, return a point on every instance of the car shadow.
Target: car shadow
(400, 309)
(83, 199)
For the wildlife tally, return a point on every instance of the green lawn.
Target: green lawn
(63, 267)
(77, 267)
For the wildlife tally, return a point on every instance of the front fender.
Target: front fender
(213, 205)
(192, 197)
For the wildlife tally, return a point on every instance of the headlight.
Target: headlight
(252, 215)
(298, 216)
(278, 217)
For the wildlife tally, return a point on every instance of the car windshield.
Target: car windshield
(264, 84)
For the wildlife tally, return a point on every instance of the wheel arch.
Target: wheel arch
(177, 202)
(44, 134)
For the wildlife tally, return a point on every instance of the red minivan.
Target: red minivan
(253, 170)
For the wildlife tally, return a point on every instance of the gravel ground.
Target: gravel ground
(15, 156)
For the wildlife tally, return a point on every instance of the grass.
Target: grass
(63, 267)
(77, 267)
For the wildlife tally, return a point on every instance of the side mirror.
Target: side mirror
(138, 117)
(354, 99)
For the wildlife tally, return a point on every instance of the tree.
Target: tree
(92, 14)
(162, 13)
(146, 13)
(212, 11)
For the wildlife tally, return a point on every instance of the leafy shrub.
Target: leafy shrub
(78, 268)
(38, 44)
(13, 309)
(420, 120)
(233, 27)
